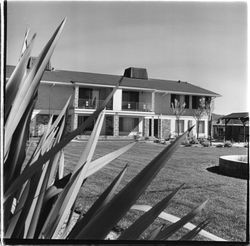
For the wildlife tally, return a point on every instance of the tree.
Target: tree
(209, 108)
(178, 110)
(198, 113)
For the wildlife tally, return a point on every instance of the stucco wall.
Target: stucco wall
(162, 103)
(53, 97)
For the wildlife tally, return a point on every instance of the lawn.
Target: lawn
(227, 195)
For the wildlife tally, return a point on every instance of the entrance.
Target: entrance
(156, 122)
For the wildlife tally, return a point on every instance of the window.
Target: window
(173, 97)
(202, 126)
(190, 123)
(181, 126)
(81, 119)
(85, 93)
(186, 101)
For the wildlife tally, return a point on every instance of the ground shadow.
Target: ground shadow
(216, 169)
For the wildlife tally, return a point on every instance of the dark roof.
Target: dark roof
(237, 116)
(111, 80)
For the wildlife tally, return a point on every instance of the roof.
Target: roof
(237, 116)
(111, 80)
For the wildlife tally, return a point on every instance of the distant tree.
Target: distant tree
(198, 114)
(178, 110)
(209, 108)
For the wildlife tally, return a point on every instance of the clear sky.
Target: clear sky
(204, 43)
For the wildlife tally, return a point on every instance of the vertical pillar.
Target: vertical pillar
(116, 125)
(160, 128)
(74, 121)
(152, 127)
(190, 102)
(76, 96)
(146, 128)
(153, 101)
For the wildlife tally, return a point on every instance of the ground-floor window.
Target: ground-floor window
(128, 125)
(179, 124)
(202, 126)
(107, 128)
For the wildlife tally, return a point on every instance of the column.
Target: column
(152, 126)
(153, 101)
(76, 98)
(74, 121)
(116, 125)
(146, 127)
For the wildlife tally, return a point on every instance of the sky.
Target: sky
(203, 43)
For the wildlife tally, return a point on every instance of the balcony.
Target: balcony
(92, 104)
(136, 106)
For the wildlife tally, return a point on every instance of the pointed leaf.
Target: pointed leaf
(156, 231)
(99, 163)
(141, 224)
(66, 139)
(30, 85)
(100, 226)
(67, 198)
(191, 234)
(16, 157)
(98, 205)
(170, 230)
(173, 219)
(15, 80)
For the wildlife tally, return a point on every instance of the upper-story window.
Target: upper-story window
(186, 100)
(195, 102)
(175, 97)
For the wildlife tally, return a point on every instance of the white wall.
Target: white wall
(162, 103)
(117, 100)
(53, 97)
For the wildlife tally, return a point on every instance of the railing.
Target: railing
(92, 104)
(136, 106)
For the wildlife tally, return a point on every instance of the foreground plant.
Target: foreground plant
(39, 199)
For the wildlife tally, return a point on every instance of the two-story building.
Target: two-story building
(141, 105)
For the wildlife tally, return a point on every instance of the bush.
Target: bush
(227, 144)
(219, 145)
(205, 144)
(193, 140)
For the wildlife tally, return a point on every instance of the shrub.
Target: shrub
(39, 199)
(227, 144)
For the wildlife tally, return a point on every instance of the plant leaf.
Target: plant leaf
(170, 230)
(104, 198)
(141, 224)
(173, 219)
(191, 234)
(99, 163)
(66, 139)
(103, 222)
(68, 196)
(16, 156)
(156, 231)
(15, 80)
(29, 86)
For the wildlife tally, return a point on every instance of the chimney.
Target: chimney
(136, 73)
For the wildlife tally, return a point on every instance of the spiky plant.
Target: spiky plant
(39, 199)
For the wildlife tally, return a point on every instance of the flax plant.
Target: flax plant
(39, 199)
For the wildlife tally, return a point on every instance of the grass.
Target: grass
(227, 196)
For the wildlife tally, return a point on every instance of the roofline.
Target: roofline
(127, 87)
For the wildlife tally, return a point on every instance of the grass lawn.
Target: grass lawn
(227, 195)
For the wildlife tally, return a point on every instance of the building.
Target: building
(233, 127)
(141, 105)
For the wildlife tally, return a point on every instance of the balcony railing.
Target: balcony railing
(137, 106)
(92, 104)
